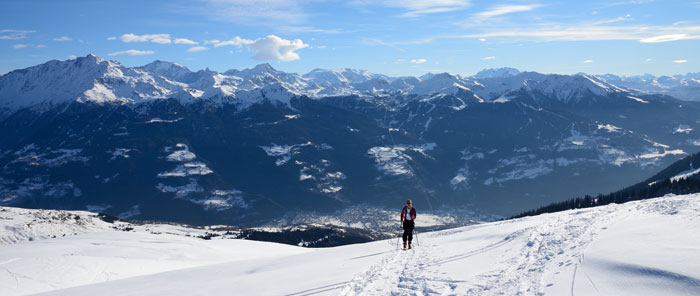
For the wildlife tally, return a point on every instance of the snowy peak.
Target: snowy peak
(497, 73)
(265, 67)
(172, 71)
(355, 76)
(684, 87)
(326, 77)
(408, 82)
(445, 83)
(261, 70)
(55, 81)
(372, 85)
(571, 89)
(695, 75)
(426, 76)
(341, 76)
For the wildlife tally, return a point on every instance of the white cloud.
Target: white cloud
(309, 29)
(273, 47)
(236, 41)
(665, 38)
(197, 49)
(40, 45)
(489, 58)
(680, 61)
(632, 2)
(20, 46)
(417, 13)
(416, 8)
(425, 4)
(269, 48)
(184, 41)
(418, 61)
(648, 60)
(112, 38)
(588, 61)
(395, 44)
(399, 61)
(482, 39)
(132, 52)
(63, 38)
(506, 9)
(72, 57)
(266, 13)
(589, 32)
(495, 15)
(627, 17)
(155, 38)
(9, 34)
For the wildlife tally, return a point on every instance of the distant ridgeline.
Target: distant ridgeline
(682, 177)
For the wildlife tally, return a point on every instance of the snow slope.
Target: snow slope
(647, 247)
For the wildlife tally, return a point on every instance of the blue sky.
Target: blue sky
(394, 37)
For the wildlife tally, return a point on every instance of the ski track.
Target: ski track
(551, 246)
(403, 272)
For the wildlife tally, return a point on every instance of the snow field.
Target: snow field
(643, 248)
(106, 257)
(640, 248)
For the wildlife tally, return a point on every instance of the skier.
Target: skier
(408, 215)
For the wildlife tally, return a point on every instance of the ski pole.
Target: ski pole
(398, 240)
(398, 237)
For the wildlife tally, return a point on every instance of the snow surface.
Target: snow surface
(394, 160)
(685, 175)
(283, 153)
(639, 248)
(159, 120)
(36, 156)
(683, 129)
(656, 154)
(187, 166)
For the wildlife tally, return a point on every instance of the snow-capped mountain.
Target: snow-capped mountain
(684, 87)
(343, 76)
(573, 89)
(643, 248)
(443, 83)
(91, 133)
(96, 80)
(93, 79)
(496, 73)
(86, 79)
(172, 71)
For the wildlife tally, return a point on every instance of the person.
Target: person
(408, 216)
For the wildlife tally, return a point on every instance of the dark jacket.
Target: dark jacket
(403, 213)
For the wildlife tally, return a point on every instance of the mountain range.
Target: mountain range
(162, 142)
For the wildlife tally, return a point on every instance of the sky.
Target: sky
(393, 37)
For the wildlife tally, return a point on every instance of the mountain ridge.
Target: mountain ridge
(207, 148)
(109, 81)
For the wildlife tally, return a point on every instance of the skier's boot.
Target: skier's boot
(404, 245)
(409, 245)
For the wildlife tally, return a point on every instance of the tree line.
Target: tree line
(637, 192)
